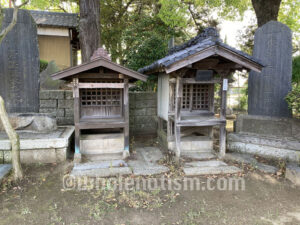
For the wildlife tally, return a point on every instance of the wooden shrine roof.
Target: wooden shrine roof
(94, 63)
(205, 45)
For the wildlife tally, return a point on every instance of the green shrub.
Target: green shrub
(244, 99)
(296, 70)
(293, 99)
(43, 65)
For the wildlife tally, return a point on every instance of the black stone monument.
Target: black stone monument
(268, 89)
(19, 64)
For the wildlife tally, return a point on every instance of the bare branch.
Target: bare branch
(14, 140)
(6, 30)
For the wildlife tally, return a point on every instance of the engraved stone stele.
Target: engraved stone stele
(19, 64)
(268, 89)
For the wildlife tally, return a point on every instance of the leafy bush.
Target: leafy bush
(244, 99)
(43, 65)
(293, 99)
(296, 70)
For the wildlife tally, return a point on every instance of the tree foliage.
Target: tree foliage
(296, 70)
(70, 6)
(184, 13)
(146, 42)
(293, 99)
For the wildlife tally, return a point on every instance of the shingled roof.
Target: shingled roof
(55, 19)
(209, 38)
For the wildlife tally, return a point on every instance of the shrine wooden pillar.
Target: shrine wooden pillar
(177, 113)
(126, 118)
(77, 155)
(222, 140)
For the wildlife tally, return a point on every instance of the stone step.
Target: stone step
(102, 143)
(240, 158)
(194, 143)
(4, 170)
(212, 163)
(141, 168)
(293, 173)
(288, 143)
(103, 157)
(102, 172)
(249, 159)
(101, 169)
(198, 155)
(211, 170)
(100, 165)
(264, 151)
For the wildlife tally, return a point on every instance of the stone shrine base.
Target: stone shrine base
(39, 147)
(268, 137)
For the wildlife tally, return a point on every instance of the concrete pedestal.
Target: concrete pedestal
(39, 147)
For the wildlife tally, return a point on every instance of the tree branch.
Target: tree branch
(14, 140)
(6, 30)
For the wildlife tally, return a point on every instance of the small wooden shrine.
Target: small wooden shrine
(101, 106)
(186, 92)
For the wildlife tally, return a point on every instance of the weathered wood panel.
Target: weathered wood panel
(19, 64)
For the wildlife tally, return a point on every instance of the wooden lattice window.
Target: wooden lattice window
(186, 93)
(200, 97)
(197, 95)
(107, 97)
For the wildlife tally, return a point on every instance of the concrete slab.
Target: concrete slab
(209, 170)
(103, 157)
(140, 168)
(102, 143)
(212, 163)
(150, 154)
(249, 159)
(292, 173)
(146, 162)
(282, 142)
(266, 168)
(264, 151)
(100, 165)
(198, 155)
(103, 172)
(4, 170)
(40, 140)
(144, 165)
(193, 143)
(240, 158)
(39, 147)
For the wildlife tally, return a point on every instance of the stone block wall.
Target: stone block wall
(143, 113)
(58, 103)
(143, 109)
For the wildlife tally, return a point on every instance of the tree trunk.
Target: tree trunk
(89, 28)
(14, 140)
(266, 10)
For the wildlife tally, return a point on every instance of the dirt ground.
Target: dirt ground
(41, 199)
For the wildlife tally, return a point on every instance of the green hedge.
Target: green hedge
(43, 65)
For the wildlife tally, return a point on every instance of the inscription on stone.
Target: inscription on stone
(19, 64)
(267, 90)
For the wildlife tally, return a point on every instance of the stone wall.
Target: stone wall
(58, 103)
(143, 112)
(143, 108)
